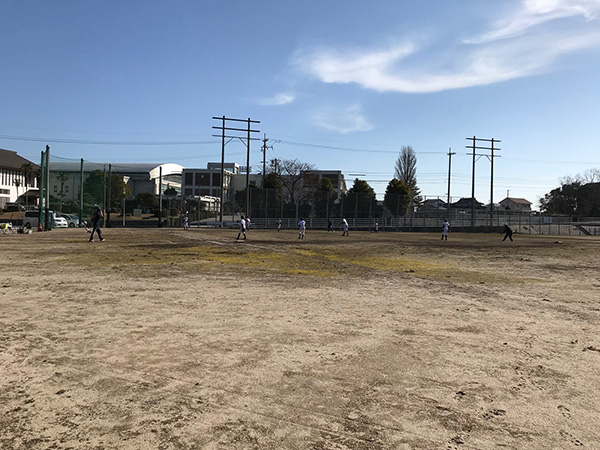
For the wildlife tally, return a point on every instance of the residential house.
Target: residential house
(466, 203)
(516, 204)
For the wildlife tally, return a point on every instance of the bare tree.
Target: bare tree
(293, 175)
(406, 170)
(591, 176)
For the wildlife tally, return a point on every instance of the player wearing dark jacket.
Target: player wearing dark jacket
(96, 218)
(507, 232)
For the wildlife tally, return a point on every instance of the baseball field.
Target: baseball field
(172, 339)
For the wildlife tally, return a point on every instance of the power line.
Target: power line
(333, 147)
(98, 142)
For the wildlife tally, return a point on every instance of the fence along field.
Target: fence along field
(160, 338)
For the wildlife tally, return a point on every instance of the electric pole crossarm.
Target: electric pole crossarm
(235, 137)
(485, 140)
(237, 120)
(237, 129)
(482, 148)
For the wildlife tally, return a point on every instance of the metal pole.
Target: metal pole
(492, 186)
(248, 172)
(81, 193)
(160, 197)
(473, 189)
(109, 195)
(48, 222)
(450, 153)
(41, 215)
(104, 188)
(222, 171)
(264, 177)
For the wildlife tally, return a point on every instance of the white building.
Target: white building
(143, 177)
(14, 184)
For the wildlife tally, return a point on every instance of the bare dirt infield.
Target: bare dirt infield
(164, 339)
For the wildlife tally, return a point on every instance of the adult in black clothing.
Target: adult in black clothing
(96, 218)
(507, 232)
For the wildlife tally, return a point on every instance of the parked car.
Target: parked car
(31, 219)
(13, 207)
(59, 222)
(72, 219)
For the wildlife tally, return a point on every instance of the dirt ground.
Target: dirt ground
(165, 339)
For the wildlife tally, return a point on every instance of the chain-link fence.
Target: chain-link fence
(138, 195)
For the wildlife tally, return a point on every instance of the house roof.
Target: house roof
(146, 168)
(10, 160)
(520, 201)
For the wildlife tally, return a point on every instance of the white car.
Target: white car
(59, 222)
(72, 220)
(31, 220)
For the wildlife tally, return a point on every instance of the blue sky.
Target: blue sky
(339, 84)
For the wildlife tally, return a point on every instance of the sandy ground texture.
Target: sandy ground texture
(165, 339)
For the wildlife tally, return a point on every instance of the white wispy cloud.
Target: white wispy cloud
(283, 98)
(342, 120)
(517, 46)
(532, 13)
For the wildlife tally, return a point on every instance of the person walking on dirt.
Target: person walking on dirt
(508, 232)
(96, 218)
(344, 227)
(445, 228)
(329, 225)
(242, 229)
(301, 228)
(186, 223)
(278, 224)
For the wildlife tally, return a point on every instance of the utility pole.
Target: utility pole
(47, 219)
(246, 140)
(81, 192)
(264, 174)
(107, 211)
(160, 198)
(450, 153)
(474, 147)
(491, 158)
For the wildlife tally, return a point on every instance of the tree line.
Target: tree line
(292, 188)
(576, 196)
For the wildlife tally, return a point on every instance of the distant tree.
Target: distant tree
(272, 181)
(272, 190)
(591, 176)
(397, 197)
(256, 199)
(359, 199)
(577, 196)
(292, 174)
(118, 189)
(147, 201)
(589, 200)
(170, 191)
(406, 170)
(94, 185)
(97, 181)
(324, 197)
